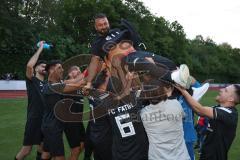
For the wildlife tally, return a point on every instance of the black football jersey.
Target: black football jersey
(35, 100)
(130, 141)
(103, 44)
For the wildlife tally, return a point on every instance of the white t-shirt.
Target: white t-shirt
(163, 124)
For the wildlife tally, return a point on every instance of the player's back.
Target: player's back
(163, 124)
(129, 137)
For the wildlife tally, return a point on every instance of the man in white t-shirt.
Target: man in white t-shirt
(162, 120)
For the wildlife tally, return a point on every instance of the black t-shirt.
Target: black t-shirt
(130, 141)
(35, 99)
(220, 133)
(102, 44)
(51, 98)
(77, 106)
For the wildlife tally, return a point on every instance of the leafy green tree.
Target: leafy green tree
(69, 26)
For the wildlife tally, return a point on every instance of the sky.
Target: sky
(216, 19)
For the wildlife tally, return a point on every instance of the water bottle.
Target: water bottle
(45, 45)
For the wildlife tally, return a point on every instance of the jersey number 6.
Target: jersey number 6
(126, 128)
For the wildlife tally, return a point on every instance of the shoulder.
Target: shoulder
(174, 105)
(173, 102)
(33, 79)
(228, 115)
(96, 45)
(226, 110)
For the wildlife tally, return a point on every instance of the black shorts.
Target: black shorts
(75, 133)
(100, 137)
(53, 138)
(103, 150)
(33, 134)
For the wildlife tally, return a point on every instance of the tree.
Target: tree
(68, 25)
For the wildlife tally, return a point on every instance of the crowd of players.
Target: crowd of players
(137, 122)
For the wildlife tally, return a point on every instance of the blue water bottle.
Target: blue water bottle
(45, 45)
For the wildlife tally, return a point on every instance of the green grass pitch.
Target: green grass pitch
(12, 121)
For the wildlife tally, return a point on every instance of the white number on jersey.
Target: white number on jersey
(128, 126)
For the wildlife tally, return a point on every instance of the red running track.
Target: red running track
(12, 94)
(23, 94)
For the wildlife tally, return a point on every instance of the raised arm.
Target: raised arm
(74, 84)
(67, 87)
(92, 70)
(70, 87)
(79, 78)
(33, 61)
(197, 107)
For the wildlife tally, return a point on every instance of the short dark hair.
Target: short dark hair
(39, 62)
(99, 15)
(52, 63)
(237, 92)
